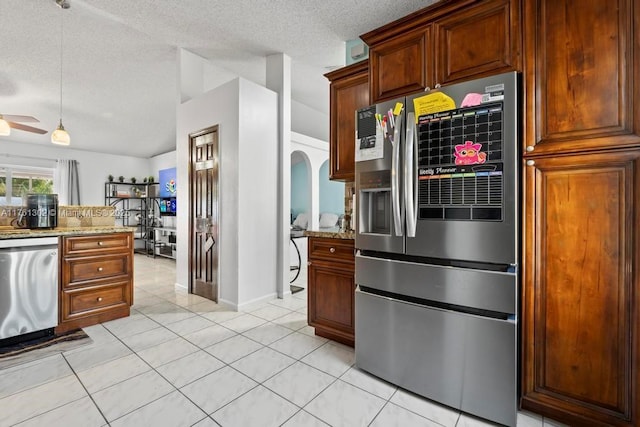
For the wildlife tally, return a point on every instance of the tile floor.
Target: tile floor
(180, 360)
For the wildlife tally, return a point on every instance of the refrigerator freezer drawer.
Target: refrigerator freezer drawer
(462, 361)
(482, 289)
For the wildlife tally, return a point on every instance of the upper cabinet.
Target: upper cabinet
(477, 40)
(348, 92)
(444, 43)
(582, 59)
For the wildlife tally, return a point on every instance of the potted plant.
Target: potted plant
(151, 179)
(121, 178)
(144, 180)
(133, 180)
(110, 178)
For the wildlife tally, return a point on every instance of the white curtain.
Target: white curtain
(66, 182)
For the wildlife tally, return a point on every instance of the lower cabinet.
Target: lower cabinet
(96, 279)
(581, 301)
(331, 288)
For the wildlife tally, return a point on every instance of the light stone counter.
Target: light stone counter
(331, 233)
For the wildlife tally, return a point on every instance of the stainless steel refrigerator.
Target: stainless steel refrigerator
(437, 248)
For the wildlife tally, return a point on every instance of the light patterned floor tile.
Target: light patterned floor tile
(210, 335)
(222, 315)
(368, 382)
(297, 345)
(187, 369)
(96, 355)
(304, 419)
(172, 410)
(127, 396)
(349, 405)
(299, 383)
(112, 372)
(262, 364)
(233, 348)
(167, 352)
(270, 312)
(426, 408)
(331, 358)
(293, 321)
(32, 374)
(218, 388)
(267, 333)
(80, 413)
(243, 323)
(131, 325)
(396, 416)
(258, 408)
(38, 400)
(192, 324)
(151, 338)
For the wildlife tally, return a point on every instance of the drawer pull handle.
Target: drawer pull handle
(530, 148)
(100, 243)
(332, 250)
(530, 162)
(99, 299)
(99, 268)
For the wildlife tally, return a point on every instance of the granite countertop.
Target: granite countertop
(331, 233)
(17, 233)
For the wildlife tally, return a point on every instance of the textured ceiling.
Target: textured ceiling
(120, 82)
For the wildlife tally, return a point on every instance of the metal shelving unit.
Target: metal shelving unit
(136, 208)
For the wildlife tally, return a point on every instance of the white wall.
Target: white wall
(307, 121)
(247, 118)
(162, 161)
(93, 168)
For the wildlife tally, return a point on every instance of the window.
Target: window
(16, 181)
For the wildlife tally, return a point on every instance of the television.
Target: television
(167, 183)
(168, 206)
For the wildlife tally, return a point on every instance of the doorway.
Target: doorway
(204, 211)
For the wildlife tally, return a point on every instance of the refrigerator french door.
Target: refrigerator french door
(437, 244)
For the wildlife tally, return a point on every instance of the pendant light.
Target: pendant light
(61, 136)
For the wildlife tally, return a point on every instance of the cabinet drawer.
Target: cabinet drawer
(92, 268)
(81, 302)
(331, 249)
(96, 244)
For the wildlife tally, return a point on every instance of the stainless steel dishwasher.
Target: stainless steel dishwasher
(28, 286)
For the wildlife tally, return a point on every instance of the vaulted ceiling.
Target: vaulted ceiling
(120, 58)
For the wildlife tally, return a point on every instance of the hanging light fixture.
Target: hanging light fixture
(61, 136)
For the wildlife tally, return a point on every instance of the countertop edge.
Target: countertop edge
(62, 231)
(331, 234)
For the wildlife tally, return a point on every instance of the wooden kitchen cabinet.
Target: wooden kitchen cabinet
(348, 92)
(580, 86)
(448, 42)
(96, 279)
(331, 288)
(581, 256)
(580, 311)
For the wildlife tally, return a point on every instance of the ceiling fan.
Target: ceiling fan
(9, 121)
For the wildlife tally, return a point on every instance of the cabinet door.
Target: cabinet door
(401, 65)
(478, 41)
(349, 91)
(582, 289)
(331, 300)
(581, 59)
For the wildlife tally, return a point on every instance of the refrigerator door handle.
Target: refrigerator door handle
(410, 176)
(395, 178)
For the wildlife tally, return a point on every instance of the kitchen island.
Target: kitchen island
(331, 284)
(94, 277)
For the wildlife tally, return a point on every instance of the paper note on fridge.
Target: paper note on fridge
(432, 103)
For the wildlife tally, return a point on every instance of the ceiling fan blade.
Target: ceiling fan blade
(22, 119)
(19, 126)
